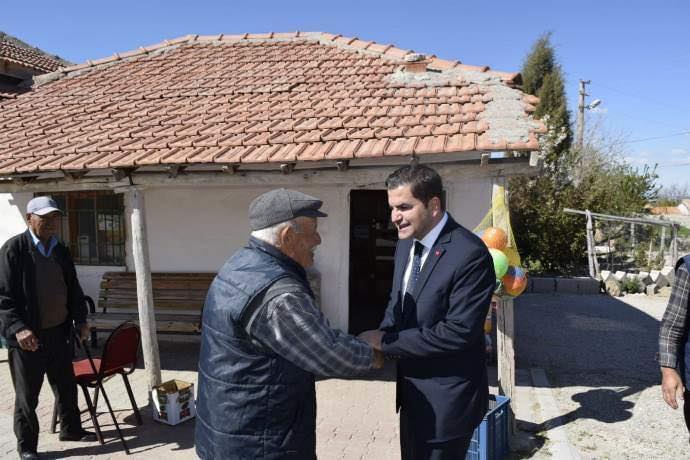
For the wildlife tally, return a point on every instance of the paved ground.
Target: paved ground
(356, 418)
(598, 353)
(587, 388)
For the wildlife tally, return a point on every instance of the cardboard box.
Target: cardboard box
(173, 402)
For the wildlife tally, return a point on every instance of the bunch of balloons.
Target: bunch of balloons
(513, 279)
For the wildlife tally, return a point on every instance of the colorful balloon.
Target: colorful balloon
(500, 262)
(514, 281)
(495, 238)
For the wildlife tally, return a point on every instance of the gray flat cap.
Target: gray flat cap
(281, 205)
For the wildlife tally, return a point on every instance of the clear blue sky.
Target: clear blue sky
(635, 52)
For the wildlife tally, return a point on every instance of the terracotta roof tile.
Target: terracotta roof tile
(372, 148)
(312, 136)
(393, 131)
(259, 98)
(343, 150)
(261, 154)
(418, 130)
(446, 128)
(232, 154)
(401, 146)
(532, 143)
(485, 142)
(283, 137)
(384, 122)
(316, 151)
(431, 144)
(29, 57)
(364, 133)
(461, 143)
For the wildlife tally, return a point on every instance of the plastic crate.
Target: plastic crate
(490, 438)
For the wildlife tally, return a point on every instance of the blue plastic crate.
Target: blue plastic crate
(490, 438)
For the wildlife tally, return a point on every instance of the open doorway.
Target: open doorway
(372, 247)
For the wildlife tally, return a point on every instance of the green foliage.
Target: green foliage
(631, 285)
(549, 240)
(542, 77)
(540, 62)
(641, 256)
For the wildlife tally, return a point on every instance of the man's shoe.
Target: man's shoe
(28, 456)
(82, 435)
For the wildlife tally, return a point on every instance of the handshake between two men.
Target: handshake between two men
(442, 287)
(373, 338)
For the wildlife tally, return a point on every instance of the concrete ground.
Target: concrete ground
(587, 388)
(356, 418)
(601, 397)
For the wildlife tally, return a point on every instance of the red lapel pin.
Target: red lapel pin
(438, 253)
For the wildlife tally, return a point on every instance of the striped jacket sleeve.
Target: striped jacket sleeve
(674, 324)
(293, 327)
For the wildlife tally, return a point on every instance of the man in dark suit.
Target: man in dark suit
(442, 287)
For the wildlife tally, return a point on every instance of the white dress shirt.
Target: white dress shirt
(428, 242)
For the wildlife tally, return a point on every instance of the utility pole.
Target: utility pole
(581, 114)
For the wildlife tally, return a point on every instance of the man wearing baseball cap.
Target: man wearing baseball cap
(264, 339)
(40, 302)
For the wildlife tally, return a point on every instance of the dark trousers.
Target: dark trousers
(27, 368)
(412, 448)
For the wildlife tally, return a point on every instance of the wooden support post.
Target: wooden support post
(662, 245)
(505, 334)
(633, 241)
(505, 329)
(649, 253)
(632, 236)
(674, 244)
(590, 245)
(142, 267)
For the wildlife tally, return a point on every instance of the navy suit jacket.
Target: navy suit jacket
(438, 338)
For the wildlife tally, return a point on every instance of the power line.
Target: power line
(644, 139)
(648, 120)
(653, 101)
(668, 165)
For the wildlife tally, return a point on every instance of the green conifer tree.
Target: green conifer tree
(548, 239)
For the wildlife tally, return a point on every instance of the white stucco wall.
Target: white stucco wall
(12, 212)
(198, 229)
(469, 199)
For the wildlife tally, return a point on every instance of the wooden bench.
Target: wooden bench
(177, 298)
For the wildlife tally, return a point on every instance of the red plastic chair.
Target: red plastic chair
(119, 357)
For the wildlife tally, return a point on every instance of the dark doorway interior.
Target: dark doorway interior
(372, 246)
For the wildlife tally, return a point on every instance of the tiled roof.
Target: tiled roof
(10, 91)
(664, 210)
(262, 98)
(28, 57)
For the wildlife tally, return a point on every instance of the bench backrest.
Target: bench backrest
(176, 292)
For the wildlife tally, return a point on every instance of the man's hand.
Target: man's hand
(671, 386)
(372, 337)
(27, 340)
(84, 332)
(378, 359)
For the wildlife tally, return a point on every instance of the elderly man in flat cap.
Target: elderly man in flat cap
(264, 339)
(40, 302)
